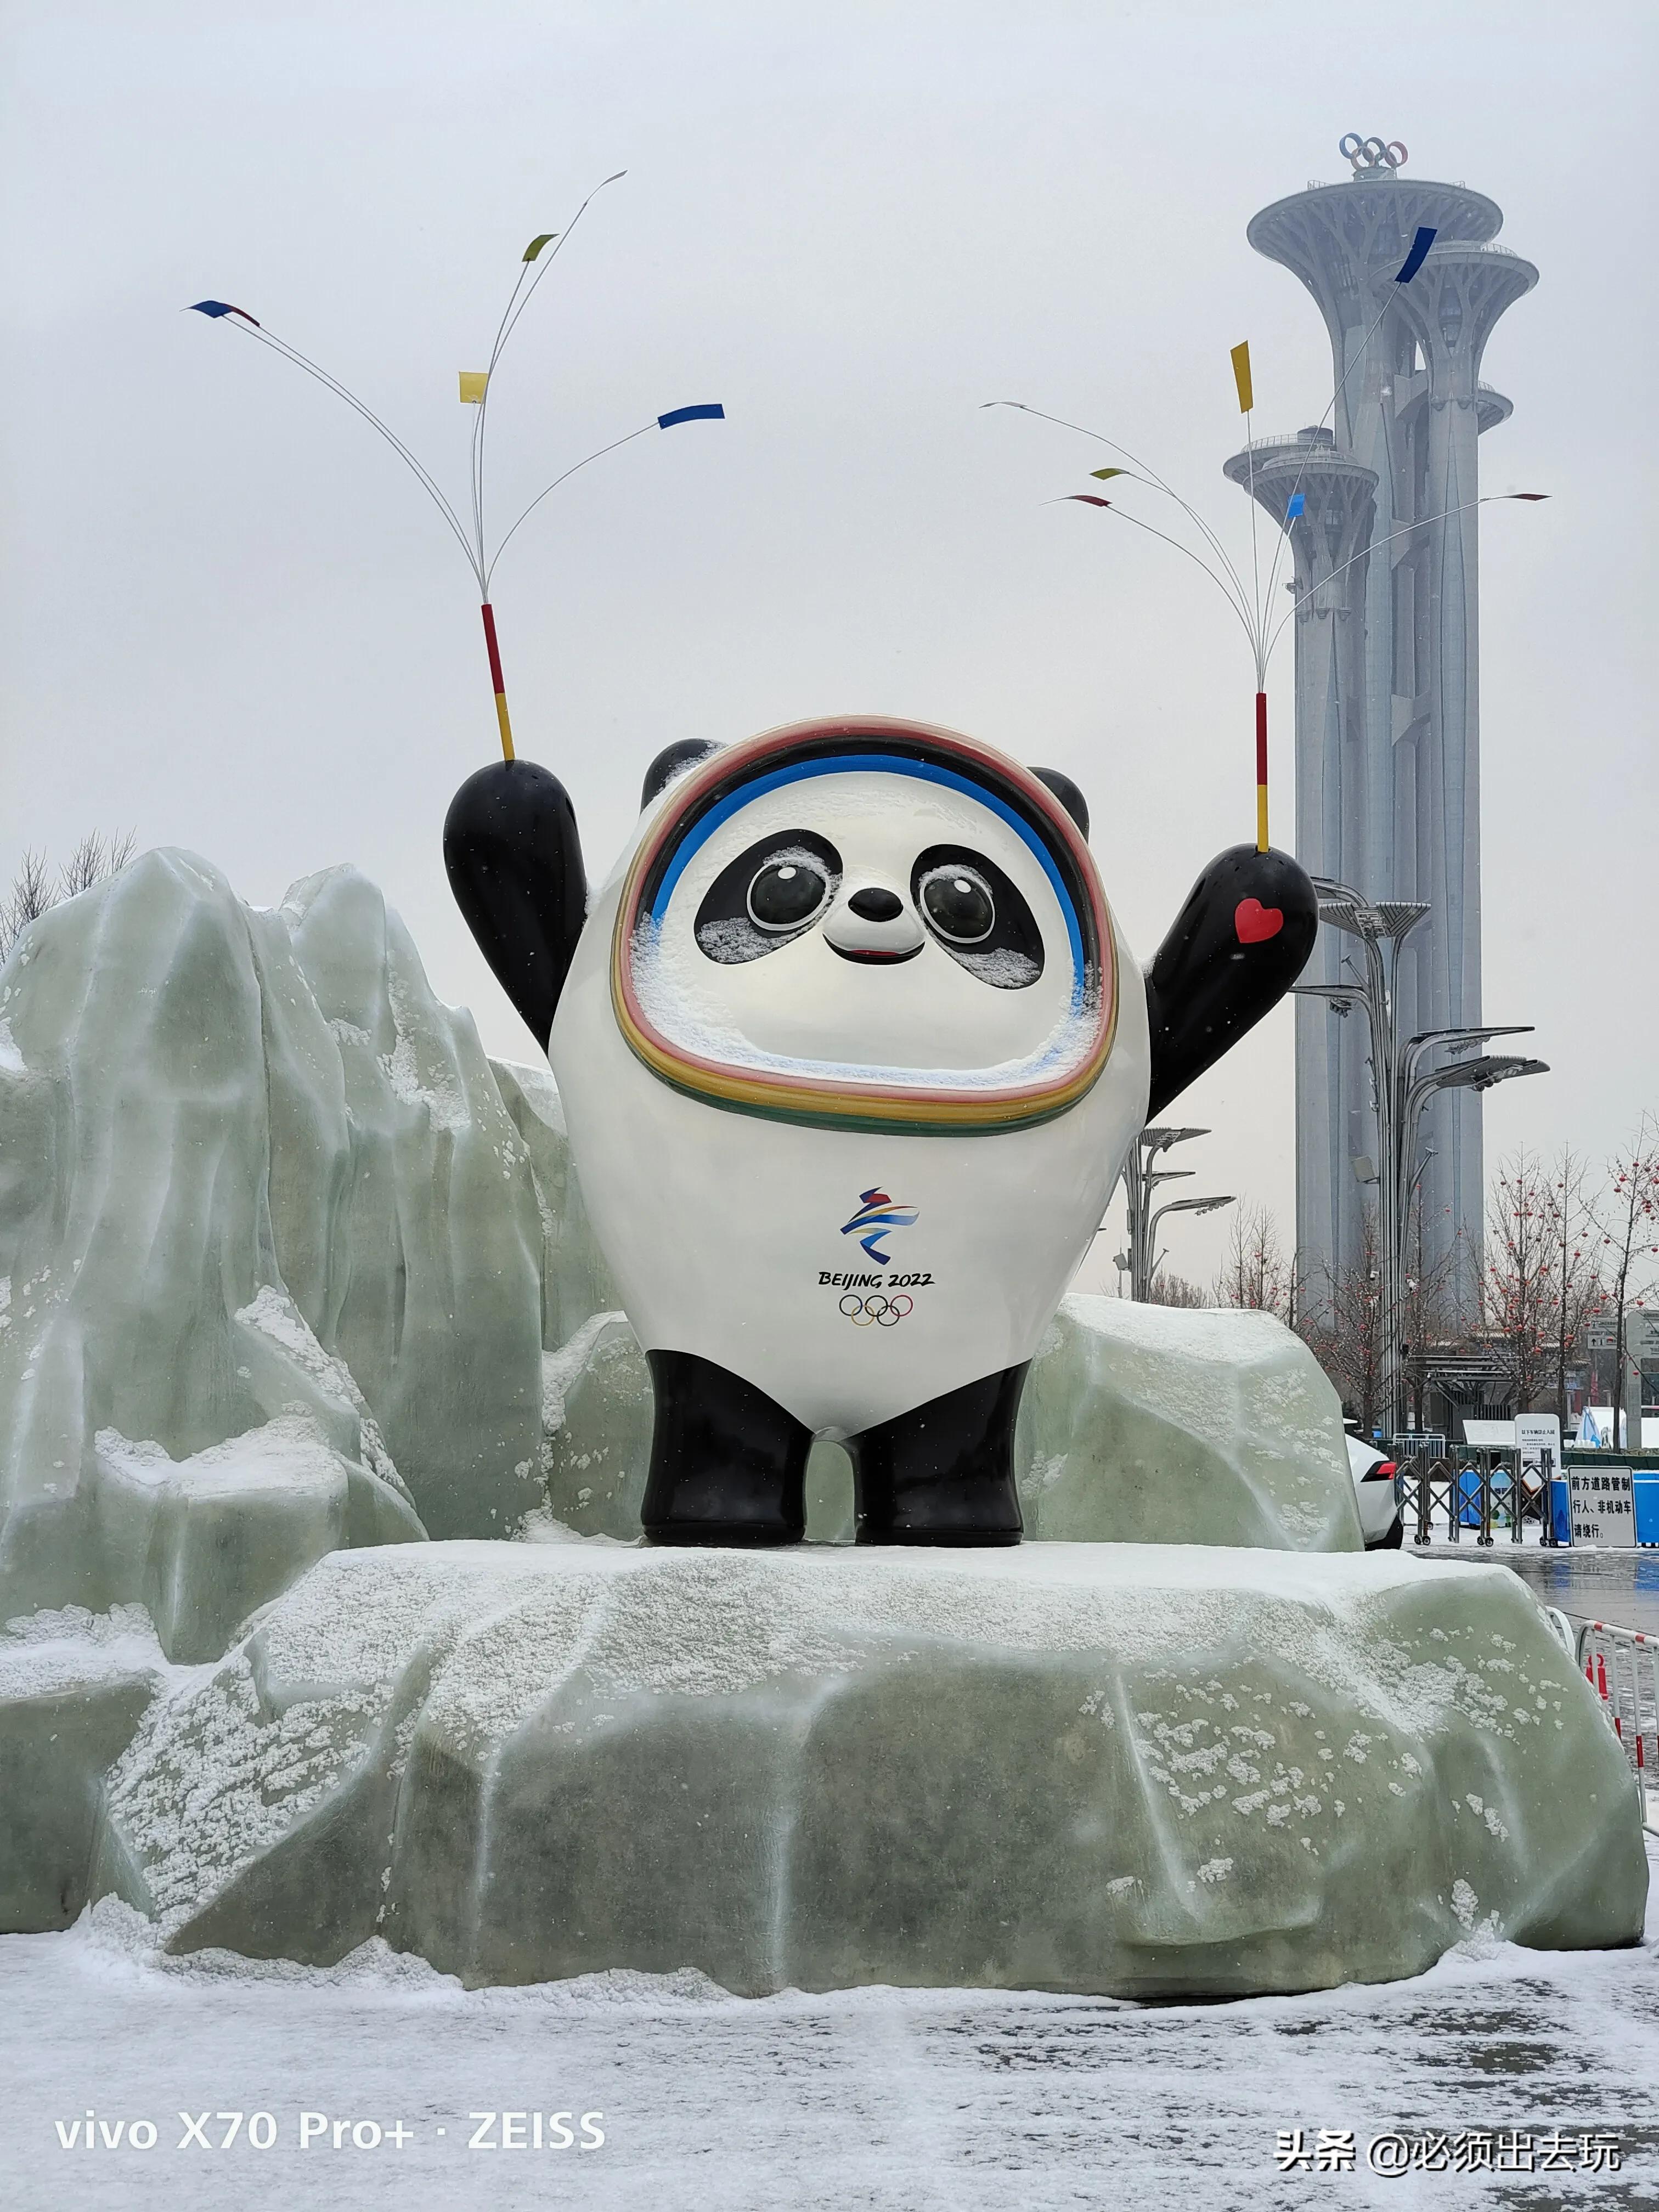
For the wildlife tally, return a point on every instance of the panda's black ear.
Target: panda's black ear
(670, 762)
(1067, 794)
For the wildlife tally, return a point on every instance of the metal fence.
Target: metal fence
(1474, 1495)
(1621, 1666)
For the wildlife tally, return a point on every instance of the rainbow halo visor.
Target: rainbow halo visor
(867, 925)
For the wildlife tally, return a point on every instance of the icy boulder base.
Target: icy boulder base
(1144, 1770)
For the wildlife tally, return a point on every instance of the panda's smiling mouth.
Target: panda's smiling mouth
(869, 955)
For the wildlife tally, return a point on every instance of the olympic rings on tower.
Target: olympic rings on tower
(1371, 153)
(884, 1312)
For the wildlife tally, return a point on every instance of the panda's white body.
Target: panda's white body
(738, 1237)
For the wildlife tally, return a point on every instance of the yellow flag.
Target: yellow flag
(1242, 376)
(1101, 475)
(473, 381)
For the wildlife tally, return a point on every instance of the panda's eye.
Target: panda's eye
(957, 901)
(787, 893)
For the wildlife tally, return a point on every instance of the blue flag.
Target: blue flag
(216, 307)
(1298, 506)
(1419, 254)
(715, 413)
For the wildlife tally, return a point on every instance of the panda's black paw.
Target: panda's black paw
(728, 1464)
(944, 1473)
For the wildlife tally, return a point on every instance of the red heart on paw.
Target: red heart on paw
(1256, 923)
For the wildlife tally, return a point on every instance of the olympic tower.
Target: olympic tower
(1384, 582)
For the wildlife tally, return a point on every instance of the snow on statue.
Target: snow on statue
(851, 1051)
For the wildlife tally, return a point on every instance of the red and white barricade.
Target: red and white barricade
(1621, 1666)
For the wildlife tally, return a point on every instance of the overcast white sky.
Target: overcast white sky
(232, 622)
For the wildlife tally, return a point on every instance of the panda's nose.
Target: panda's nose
(874, 904)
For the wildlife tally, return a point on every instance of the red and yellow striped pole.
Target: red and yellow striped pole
(1261, 771)
(489, 613)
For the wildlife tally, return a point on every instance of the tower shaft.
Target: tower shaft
(1388, 717)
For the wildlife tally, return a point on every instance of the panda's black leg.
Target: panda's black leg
(728, 1465)
(944, 1473)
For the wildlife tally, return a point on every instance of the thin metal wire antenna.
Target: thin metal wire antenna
(332, 383)
(554, 486)
(476, 458)
(1232, 584)
(1365, 344)
(544, 264)
(1153, 477)
(1487, 499)
(1255, 567)
(508, 324)
(1124, 516)
(481, 562)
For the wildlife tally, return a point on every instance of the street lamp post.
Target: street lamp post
(1402, 1085)
(1176, 1205)
(1140, 1181)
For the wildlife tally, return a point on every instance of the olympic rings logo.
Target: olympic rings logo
(885, 1313)
(1371, 153)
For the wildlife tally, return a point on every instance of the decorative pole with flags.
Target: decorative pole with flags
(1250, 599)
(475, 390)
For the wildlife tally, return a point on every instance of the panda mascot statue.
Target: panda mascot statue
(852, 1052)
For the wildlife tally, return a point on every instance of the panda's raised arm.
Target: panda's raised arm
(1236, 946)
(514, 862)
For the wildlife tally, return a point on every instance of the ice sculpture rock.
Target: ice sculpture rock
(258, 1188)
(1140, 1424)
(172, 1117)
(73, 1687)
(1156, 1425)
(577, 1283)
(1142, 1769)
(418, 1237)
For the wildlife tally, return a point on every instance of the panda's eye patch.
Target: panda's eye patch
(978, 916)
(957, 901)
(787, 893)
(768, 896)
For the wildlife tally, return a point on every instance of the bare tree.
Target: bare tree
(33, 892)
(1257, 1274)
(1517, 1294)
(93, 859)
(1343, 1328)
(1576, 1291)
(1431, 1306)
(1169, 1289)
(30, 896)
(1627, 1217)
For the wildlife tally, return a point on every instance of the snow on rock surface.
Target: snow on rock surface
(1145, 1424)
(1139, 1769)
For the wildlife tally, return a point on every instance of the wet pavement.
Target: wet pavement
(1621, 1587)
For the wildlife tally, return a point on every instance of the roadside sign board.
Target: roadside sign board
(1602, 1504)
(1538, 1450)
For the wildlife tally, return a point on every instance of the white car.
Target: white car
(1379, 1509)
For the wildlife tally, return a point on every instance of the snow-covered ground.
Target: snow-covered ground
(908, 2101)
